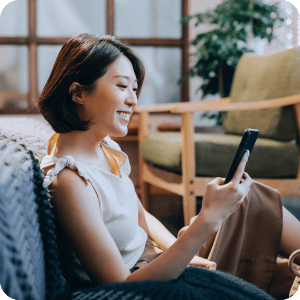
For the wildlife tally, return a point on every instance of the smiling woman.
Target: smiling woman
(104, 233)
(78, 69)
(112, 99)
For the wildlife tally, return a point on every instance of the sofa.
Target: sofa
(29, 260)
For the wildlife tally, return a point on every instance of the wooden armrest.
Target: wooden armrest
(220, 105)
(165, 127)
(202, 106)
(169, 107)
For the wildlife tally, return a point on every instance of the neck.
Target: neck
(78, 143)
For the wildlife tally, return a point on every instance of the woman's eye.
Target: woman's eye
(135, 90)
(123, 86)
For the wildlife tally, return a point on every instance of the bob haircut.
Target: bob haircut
(83, 59)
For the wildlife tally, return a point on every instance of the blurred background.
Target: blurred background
(33, 31)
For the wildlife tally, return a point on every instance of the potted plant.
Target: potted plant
(218, 50)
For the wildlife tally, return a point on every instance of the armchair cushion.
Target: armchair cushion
(260, 78)
(215, 152)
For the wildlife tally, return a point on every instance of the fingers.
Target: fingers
(246, 181)
(245, 185)
(241, 168)
(218, 181)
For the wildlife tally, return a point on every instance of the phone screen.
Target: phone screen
(247, 143)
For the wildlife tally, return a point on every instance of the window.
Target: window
(33, 31)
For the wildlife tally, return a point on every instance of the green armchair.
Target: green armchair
(265, 95)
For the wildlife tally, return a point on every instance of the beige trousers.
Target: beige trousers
(247, 244)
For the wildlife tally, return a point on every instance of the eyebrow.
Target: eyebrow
(123, 76)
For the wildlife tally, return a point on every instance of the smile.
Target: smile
(124, 115)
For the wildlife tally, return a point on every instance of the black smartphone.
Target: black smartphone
(247, 143)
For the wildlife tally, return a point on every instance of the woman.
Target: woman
(104, 233)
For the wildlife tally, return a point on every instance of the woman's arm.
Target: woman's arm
(172, 262)
(157, 232)
(77, 208)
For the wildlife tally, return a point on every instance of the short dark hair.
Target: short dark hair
(83, 59)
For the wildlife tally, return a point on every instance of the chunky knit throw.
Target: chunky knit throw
(27, 234)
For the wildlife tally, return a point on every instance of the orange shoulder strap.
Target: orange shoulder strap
(113, 161)
(52, 142)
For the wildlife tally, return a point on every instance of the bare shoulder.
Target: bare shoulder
(66, 179)
(77, 209)
(66, 176)
(70, 191)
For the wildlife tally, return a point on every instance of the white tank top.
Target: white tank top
(116, 195)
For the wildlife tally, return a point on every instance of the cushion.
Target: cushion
(260, 78)
(215, 152)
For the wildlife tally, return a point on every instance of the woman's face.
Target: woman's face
(113, 100)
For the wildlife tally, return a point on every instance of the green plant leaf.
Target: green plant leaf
(226, 40)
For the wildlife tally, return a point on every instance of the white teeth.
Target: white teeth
(124, 115)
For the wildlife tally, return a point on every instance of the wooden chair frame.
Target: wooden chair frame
(188, 185)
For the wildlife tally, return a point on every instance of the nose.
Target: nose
(131, 99)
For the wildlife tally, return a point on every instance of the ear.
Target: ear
(76, 93)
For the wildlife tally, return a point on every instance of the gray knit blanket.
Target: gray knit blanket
(33, 131)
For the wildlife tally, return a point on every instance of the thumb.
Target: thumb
(218, 181)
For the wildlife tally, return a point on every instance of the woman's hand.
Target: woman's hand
(220, 200)
(202, 263)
